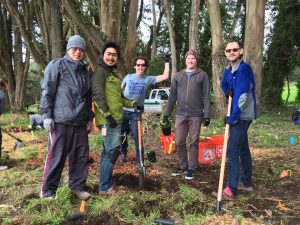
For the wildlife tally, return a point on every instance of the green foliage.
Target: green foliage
(283, 50)
(293, 92)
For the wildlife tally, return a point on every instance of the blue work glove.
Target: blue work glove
(48, 124)
(111, 122)
(206, 122)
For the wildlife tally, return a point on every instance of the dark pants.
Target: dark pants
(238, 153)
(130, 124)
(185, 125)
(66, 141)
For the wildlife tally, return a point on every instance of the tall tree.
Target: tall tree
(171, 36)
(217, 53)
(154, 32)
(283, 53)
(131, 42)
(254, 39)
(12, 63)
(194, 21)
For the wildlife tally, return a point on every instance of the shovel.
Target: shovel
(142, 168)
(19, 142)
(221, 180)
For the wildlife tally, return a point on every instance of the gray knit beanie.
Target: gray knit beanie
(76, 42)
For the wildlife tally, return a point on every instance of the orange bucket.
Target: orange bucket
(207, 152)
(219, 141)
(168, 143)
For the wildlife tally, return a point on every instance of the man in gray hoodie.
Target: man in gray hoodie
(190, 89)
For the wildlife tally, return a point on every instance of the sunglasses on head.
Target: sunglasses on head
(232, 50)
(143, 65)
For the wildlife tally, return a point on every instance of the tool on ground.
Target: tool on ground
(163, 221)
(221, 179)
(141, 168)
(77, 216)
(19, 143)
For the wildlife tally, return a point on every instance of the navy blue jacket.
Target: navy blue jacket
(241, 81)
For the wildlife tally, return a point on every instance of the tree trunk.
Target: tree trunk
(154, 41)
(56, 30)
(194, 28)
(171, 36)
(110, 12)
(254, 38)
(217, 53)
(131, 41)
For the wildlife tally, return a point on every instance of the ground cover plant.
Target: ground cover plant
(274, 200)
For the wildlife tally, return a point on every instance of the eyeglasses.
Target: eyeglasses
(143, 65)
(78, 49)
(232, 50)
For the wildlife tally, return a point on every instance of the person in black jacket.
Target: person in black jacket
(2, 107)
(67, 106)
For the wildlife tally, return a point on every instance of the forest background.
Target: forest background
(36, 31)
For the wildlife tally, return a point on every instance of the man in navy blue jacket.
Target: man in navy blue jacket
(238, 82)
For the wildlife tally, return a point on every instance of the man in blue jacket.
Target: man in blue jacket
(67, 106)
(238, 82)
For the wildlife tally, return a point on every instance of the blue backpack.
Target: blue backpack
(295, 117)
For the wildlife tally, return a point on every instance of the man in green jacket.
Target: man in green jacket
(109, 102)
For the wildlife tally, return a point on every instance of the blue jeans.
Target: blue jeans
(238, 152)
(110, 142)
(130, 125)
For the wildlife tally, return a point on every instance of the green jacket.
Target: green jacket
(107, 95)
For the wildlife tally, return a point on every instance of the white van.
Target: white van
(156, 99)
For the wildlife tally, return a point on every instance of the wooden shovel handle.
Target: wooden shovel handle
(226, 136)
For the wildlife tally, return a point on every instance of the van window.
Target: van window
(162, 95)
(153, 94)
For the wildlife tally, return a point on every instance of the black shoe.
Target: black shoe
(190, 175)
(178, 172)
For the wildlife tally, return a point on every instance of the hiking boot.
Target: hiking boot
(190, 175)
(112, 191)
(179, 172)
(83, 195)
(3, 168)
(243, 187)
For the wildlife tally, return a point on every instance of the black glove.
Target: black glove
(111, 122)
(165, 119)
(225, 120)
(206, 122)
(167, 57)
(228, 93)
(138, 106)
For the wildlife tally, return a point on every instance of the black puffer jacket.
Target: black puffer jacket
(66, 92)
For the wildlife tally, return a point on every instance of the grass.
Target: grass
(293, 92)
(185, 202)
